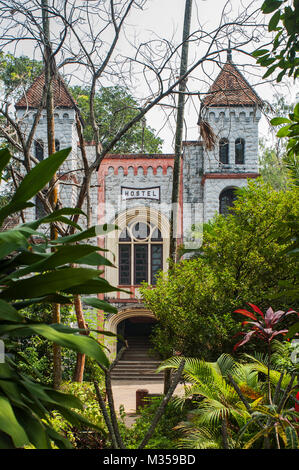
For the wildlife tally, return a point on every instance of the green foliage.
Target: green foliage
(83, 436)
(165, 436)
(18, 73)
(242, 259)
(221, 419)
(114, 108)
(291, 131)
(283, 55)
(273, 160)
(41, 272)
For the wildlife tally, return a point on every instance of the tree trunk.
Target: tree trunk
(179, 133)
(80, 362)
(49, 73)
(178, 149)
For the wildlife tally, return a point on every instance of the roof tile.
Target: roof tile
(231, 89)
(33, 97)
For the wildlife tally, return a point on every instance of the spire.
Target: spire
(231, 89)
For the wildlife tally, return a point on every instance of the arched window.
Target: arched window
(223, 151)
(140, 253)
(39, 150)
(226, 200)
(57, 145)
(239, 151)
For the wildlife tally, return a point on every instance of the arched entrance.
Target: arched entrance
(136, 331)
(136, 364)
(133, 323)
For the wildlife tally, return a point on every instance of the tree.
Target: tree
(273, 152)
(242, 259)
(282, 58)
(17, 74)
(113, 107)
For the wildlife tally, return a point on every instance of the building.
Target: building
(134, 190)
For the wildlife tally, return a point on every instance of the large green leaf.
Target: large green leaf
(39, 176)
(8, 313)
(97, 230)
(48, 283)
(34, 181)
(80, 343)
(95, 259)
(100, 304)
(64, 254)
(5, 156)
(93, 286)
(10, 425)
(59, 334)
(10, 241)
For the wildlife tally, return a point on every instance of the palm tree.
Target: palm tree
(232, 408)
(220, 412)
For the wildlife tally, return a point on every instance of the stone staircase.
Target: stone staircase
(136, 364)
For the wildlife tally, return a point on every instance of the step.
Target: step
(133, 364)
(137, 377)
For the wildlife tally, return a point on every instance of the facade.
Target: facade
(134, 190)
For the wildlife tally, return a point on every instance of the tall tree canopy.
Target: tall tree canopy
(243, 259)
(114, 107)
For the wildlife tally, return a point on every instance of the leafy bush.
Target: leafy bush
(165, 436)
(34, 273)
(83, 436)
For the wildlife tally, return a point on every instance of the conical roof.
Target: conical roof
(231, 89)
(33, 96)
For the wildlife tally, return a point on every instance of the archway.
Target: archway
(129, 323)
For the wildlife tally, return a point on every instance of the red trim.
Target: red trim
(222, 176)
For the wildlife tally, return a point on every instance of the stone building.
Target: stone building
(134, 190)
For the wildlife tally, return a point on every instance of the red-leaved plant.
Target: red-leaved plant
(264, 327)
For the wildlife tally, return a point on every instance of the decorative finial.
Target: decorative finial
(229, 52)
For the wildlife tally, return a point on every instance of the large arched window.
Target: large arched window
(140, 253)
(239, 151)
(226, 200)
(223, 151)
(39, 150)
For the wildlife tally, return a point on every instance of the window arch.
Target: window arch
(39, 150)
(140, 253)
(226, 200)
(223, 150)
(239, 151)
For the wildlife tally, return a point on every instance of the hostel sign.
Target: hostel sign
(140, 193)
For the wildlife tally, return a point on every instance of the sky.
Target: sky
(164, 19)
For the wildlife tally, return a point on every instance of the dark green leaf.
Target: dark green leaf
(10, 425)
(5, 156)
(279, 120)
(100, 304)
(274, 21)
(8, 313)
(48, 283)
